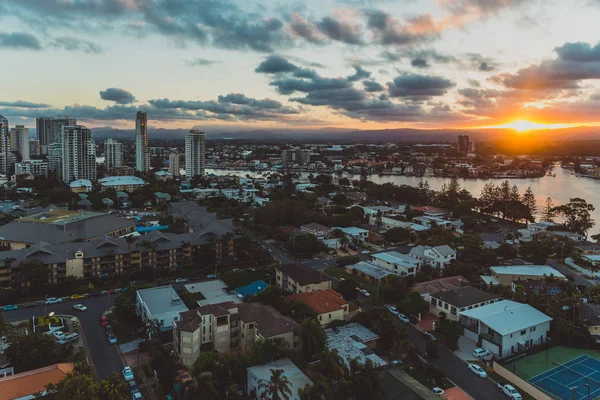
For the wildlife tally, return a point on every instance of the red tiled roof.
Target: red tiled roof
(322, 301)
(30, 382)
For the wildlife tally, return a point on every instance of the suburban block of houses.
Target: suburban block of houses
(505, 327)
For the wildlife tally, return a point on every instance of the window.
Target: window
(532, 329)
(524, 331)
(445, 306)
(250, 326)
(329, 316)
(320, 318)
(453, 310)
(433, 302)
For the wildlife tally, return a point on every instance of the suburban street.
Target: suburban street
(105, 357)
(578, 279)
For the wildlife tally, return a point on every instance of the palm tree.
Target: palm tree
(278, 387)
(313, 336)
(130, 239)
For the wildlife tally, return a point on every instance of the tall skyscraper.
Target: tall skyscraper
(142, 154)
(49, 130)
(3, 144)
(174, 164)
(195, 149)
(34, 147)
(19, 141)
(78, 154)
(113, 153)
(463, 143)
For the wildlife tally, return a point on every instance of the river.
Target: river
(560, 188)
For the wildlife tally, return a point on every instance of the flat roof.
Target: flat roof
(397, 258)
(531, 270)
(370, 269)
(592, 257)
(121, 180)
(214, 292)
(507, 316)
(162, 299)
(351, 230)
(296, 377)
(349, 341)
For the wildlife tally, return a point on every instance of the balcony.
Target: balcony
(490, 338)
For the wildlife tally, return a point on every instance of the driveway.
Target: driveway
(105, 357)
(465, 349)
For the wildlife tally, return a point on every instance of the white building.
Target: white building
(259, 373)
(399, 264)
(113, 153)
(505, 327)
(142, 152)
(195, 153)
(354, 341)
(122, 183)
(354, 233)
(78, 154)
(19, 141)
(32, 167)
(174, 167)
(161, 304)
(438, 256)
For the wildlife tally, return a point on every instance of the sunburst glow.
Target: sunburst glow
(522, 125)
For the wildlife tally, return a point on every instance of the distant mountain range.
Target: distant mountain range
(337, 134)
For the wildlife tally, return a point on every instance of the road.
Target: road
(563, 269)
(105, 357)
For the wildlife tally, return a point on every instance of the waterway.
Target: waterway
(560, 188)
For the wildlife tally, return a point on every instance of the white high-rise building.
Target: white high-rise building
(34, 167)
(78, 154)
(3, 145)
(113, 153)
(142, 153)
(174, 164)
(195, 149)
(19, 141)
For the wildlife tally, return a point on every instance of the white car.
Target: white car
(79, 307)
(180, 280)
(477, 370)
(59, 335)
(53, 300)
(365, 252)
(393, 310)
(128, 374)
(480, 352)
(438, 391)
(403, 318)
(510, 391)
(365, 293)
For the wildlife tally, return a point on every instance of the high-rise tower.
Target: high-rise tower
(195, 148)
(142, 152)
(78, 154)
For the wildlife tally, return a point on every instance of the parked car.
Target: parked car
(112, 338)
(429, 336)
(365, 293)
(365, 252)
(477, 370)
(96, 294)
(438, 391)
(28, 304)
(393, 310)
(53, 300)
(403, 318)
(510, 391)
(481, 352)
(236, 270)
(211, 276)
(9, 307)
(59, 335)
(133, 387)
(128, 374)
(137, 396)
(108, 330)
(103, 321)
(80, 307)
(71, 338)
(77, 297)
(180, 280)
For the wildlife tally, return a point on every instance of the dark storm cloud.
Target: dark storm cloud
(575, 62)
(420, 63)
(23, 104)
(360, 74)
(73, 44)
(372, 86)
(200, 62)
(19, 40)
(341, 31)
(119, 96)
(419, 87)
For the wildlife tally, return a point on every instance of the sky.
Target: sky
(310, 64)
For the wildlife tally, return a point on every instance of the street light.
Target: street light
(574, 390)
(588, 389)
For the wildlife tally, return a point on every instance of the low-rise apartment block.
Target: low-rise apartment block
(161, 304)
(298, 279)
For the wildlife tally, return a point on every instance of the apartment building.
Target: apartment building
(298, 279)
(227, 327)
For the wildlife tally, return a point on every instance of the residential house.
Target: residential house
(328, 304)
(354, 233)
(298, 279)
(260, 373)
(429, 288)
(505, 327)
(32, 384)
(320, 231)
(399, 264)
(354, 341)
(591, 314)
(534, 286)
(81, 186)
(506, 274)
(369, 271)
(122, 183)
(161, 304)
(451, 302)
(229, 327)
(356, 197)
(438, 256)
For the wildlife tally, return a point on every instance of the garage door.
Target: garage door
(491, 347)
(471, 335)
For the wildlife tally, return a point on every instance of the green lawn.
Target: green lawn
(245, 277)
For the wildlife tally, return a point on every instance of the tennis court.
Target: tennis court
(566, 379)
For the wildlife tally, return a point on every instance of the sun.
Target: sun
(523, 125)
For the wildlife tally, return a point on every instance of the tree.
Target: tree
(347, 289)
(528, 199)
(313, 336)
(450, 331)
(278, 387)
(577, 215)
(320, 390)
(396, 235)
(305, 245)
(413, 304)
(27, 352)
(548, 212)
(83, 386)
(163, 363)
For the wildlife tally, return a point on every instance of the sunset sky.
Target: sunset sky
(369, 64)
